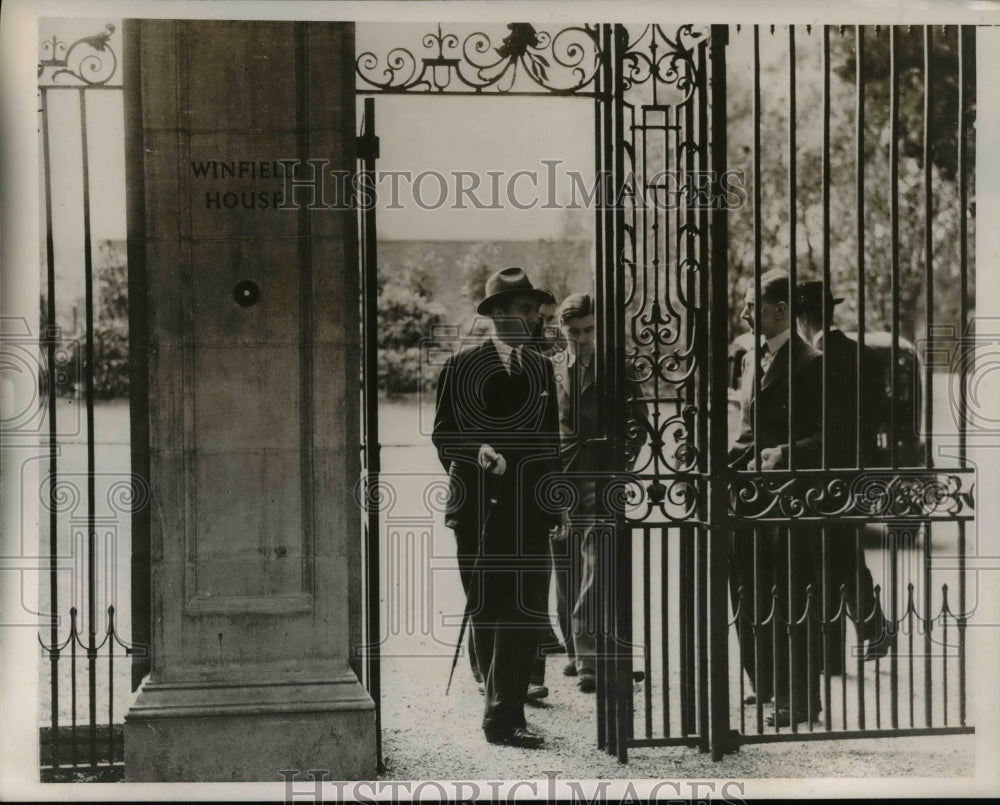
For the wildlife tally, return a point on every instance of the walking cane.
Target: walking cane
(475, 575)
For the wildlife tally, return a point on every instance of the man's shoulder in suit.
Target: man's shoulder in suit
(469, 351)
(803, 352)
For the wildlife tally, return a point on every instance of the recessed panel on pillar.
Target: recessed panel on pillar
(253, 349)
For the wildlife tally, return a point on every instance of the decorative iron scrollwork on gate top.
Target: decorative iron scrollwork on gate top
(89, 61)
(662, 68)
(526, 60)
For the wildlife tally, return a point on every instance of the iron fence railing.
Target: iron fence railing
(79, 81)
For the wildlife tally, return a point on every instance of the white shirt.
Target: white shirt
(505, 351)
(770, 348)
(776, 342)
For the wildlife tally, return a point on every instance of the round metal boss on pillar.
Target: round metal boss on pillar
(246, 293)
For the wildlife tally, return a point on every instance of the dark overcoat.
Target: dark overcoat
(479, 403)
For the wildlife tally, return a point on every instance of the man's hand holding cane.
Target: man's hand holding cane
(493, 464)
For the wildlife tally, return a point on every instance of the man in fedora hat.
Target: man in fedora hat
(773, 562)
(496, 430)
(848, 426)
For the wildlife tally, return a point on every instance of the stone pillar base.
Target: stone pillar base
(219, 730)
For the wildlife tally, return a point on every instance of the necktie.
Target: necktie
(515, 362)
(765, 357)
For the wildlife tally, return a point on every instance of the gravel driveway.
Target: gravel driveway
(428, 735)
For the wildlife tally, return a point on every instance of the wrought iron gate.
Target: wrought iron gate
(682, 176)
(676, 268)
(89, 506)
(655, 290)
(890, 495)
(676, 204)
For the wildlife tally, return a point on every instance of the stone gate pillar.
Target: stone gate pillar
(251, 341)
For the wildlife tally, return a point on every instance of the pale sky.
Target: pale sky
(418, 133)
(481, 134)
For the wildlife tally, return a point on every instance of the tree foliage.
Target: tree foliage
(784, 203)
(407, 317)
(111, 347)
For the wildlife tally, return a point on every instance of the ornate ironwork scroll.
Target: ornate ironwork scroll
(663, 63)
(526, 59)
(87, 62)
(866, 496)
(661, 262)
(674, 499)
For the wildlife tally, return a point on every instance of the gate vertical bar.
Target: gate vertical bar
(825, 605)
(601, 103)
(859, 168)
(647, 632)
(50, 358)
(690, 396)
(928, 146)
(860, 608)
(720, 738)
(757, 254)
(758, 592)
(792, 267)
(793, 601)
(88, 265)
(892, 596)
(826, 254)
(606, 105)
(701, 336)
(665, 628)
(621, 544)
(928, 396)
(369, 280)
(894, 253)
(966, 49)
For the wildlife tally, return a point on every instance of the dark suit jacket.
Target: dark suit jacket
(478, 403)
(841, 356)
(579, 423)
(806, 381)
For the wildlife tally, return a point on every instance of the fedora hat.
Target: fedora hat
(506, 283)
(810, 296)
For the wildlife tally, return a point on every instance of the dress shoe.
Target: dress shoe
(569, 669)
(481, 688)
(752, 699)
(537, 692)
(520, 737)
(877, 649)
(586, 682)
(786, 716)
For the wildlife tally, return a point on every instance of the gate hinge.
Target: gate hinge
(368, 146)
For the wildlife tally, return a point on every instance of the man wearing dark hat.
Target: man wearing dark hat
(496, 430)
(844, 432)
(773, 558)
